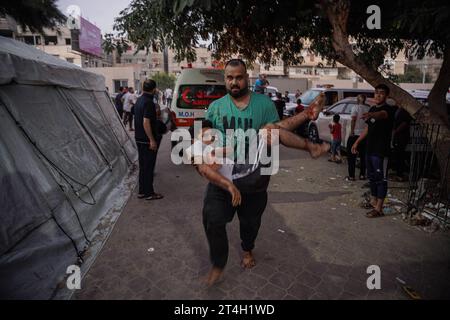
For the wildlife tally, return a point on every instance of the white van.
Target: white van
(332, 94)
(194, 91)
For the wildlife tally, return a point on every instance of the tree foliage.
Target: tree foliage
(111, 43)
(34, 14)
(164, 80)
(269, 30)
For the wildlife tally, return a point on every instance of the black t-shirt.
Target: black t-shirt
(119, 104)
(402, 116)
(380, 132)
(280, 105)
(144, 108)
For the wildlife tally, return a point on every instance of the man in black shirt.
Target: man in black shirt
(280, 105)
(400, 137)
(118, 101)
(378, 133)
(147, 140)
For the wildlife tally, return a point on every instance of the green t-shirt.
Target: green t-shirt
(224, 114)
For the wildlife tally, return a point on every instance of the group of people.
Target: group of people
(144, 112)
(378, 137)
(125, 101)
(126, 98)
(241, 188)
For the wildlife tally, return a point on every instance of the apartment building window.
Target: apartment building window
(68, 41)
(32, 40)
(120, 83)
(70, 60)
(51, 40)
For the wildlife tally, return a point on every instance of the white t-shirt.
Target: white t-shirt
(129, 99)
(168, 93)
(197, 149)
(357, 111)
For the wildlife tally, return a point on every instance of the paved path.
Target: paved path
(314, 243)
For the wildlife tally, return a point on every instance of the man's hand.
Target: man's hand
(366, 116)
(235, 195)
(153, 145)
(355, 148)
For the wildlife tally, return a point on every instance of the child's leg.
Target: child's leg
(312, 113)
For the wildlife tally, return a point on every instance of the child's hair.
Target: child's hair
(205, 124)
(299, 101)
(336, 118)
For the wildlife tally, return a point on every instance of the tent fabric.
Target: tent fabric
(25, 64)
(64, 157)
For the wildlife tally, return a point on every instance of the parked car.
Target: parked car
(319, 130)
(332, 95)
(291, 105)
(269, 89)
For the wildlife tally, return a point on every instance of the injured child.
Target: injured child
(217, 165)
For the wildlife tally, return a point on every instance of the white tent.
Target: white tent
(64, 160)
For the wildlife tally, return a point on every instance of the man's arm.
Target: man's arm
(216, 178)
(360, 138)
(148, 132)
(377, 115)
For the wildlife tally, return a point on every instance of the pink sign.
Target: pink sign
(90, 38)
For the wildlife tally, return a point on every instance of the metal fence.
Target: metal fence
(428, 191)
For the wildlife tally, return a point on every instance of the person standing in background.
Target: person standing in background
(129, 99)
(356, 129)
(147, 139)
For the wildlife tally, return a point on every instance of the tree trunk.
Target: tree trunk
(337, 13)
(437, 97)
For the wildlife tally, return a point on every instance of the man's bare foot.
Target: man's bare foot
(248, 261)
(316, 150)
(214, 276)
(316, 107)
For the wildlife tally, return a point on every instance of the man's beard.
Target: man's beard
(242, 92)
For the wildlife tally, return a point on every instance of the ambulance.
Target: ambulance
(194, 91)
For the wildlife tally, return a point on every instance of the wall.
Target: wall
(131, 73)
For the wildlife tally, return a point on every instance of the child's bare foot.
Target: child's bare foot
(316, 107)
(316, 150)
(248, 261)
(214, 276)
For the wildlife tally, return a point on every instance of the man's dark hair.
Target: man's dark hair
(278, 94)
(336, 118)
(149, 85)
(299, 101)
(383, 87)
(120, 89)
(236, 63)
(205, 124)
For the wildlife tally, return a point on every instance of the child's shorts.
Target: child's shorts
(335, 147)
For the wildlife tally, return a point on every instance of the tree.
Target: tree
(36, 15)
(268, 30)
(164, 80)
(335, 29)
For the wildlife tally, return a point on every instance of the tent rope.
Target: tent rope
(63, 176)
